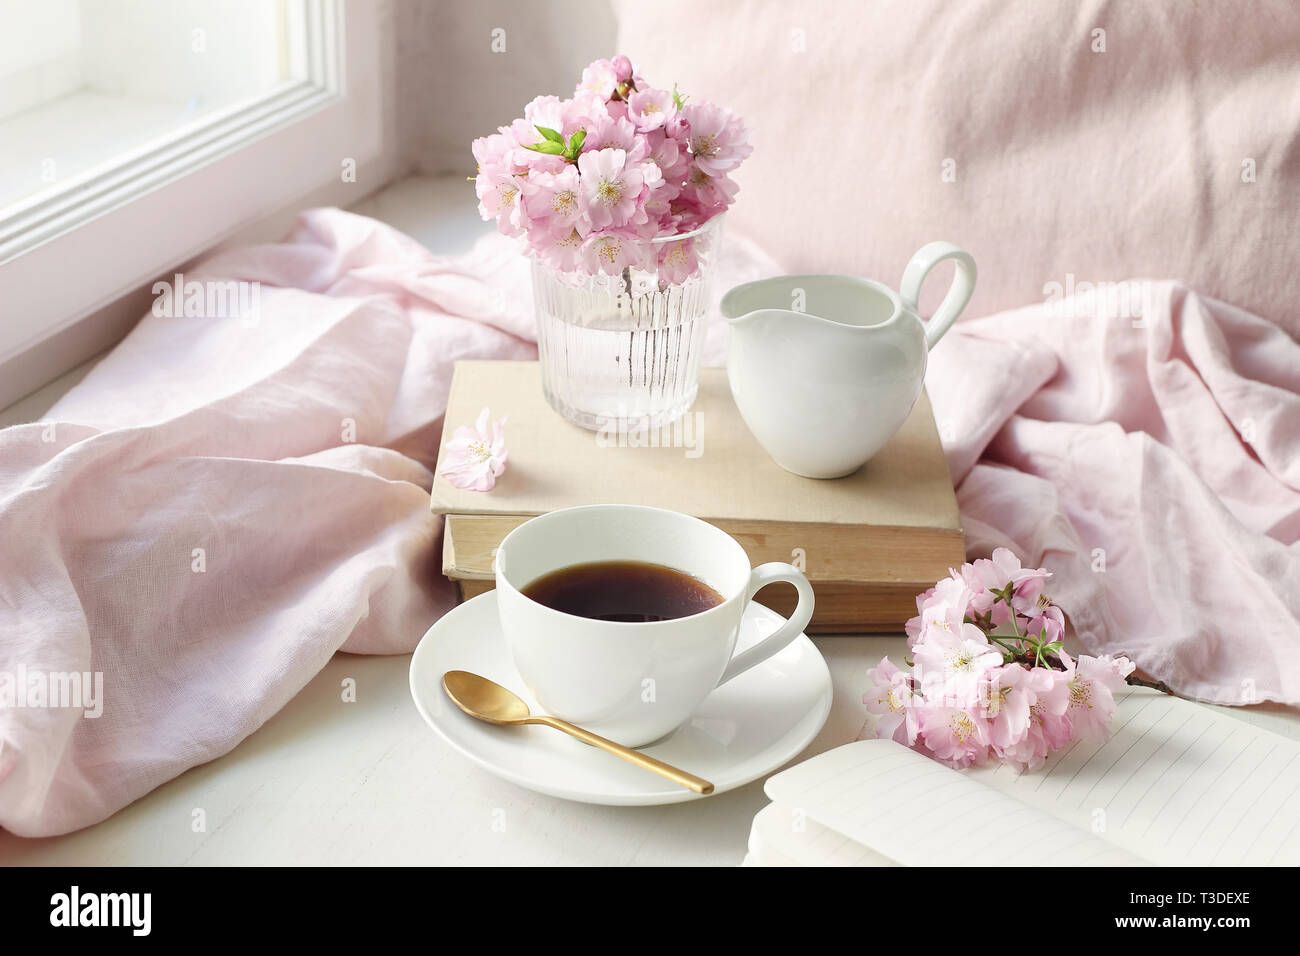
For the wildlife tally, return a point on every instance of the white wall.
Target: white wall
(452, 87)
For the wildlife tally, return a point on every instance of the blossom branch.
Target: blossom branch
(1135, 681)
(973, 695)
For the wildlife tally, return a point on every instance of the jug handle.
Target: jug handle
(959, 293)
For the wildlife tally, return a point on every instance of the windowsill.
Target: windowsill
(31, 407)
(441, 213)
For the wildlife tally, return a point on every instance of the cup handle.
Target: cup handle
(761, 576)
(959, 293)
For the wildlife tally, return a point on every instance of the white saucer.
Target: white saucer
(742, 731)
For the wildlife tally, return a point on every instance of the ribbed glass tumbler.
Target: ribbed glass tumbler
(622, 352)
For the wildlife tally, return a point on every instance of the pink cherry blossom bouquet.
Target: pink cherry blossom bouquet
(989, 678)
(591, 180)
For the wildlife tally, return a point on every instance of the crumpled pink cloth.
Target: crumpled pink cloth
(1146, 449)
(223, 503)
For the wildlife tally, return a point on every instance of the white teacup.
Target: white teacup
(633, 682)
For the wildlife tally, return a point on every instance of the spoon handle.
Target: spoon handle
(687, 780)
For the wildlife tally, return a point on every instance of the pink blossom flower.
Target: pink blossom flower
(942, 608)
(651, 109)
(608, 132)
(550, 112)
(565, 117)
(982, 599)
(949, 594)
(622, 68)
(889, 697)
(583, 112)
(671, 158)
(1092, 682)
(687, 215)
(498, 194)
(1006, 695)
(1045, 618)
(612, 251)
(713, 192)
(679, 129)
(611, 193)
(915, 624)
(658, 203)
(1048, 728)
(493, 151)
(1045, 732)
(565, 252)
(951, 663)
(957, 735)
(551, 203)
(522, 160)
(1001, 569)
(719, 140)
(678, 259)
(617, 110)
(598, 79)
(475, 458)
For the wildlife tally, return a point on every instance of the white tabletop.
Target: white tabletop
(331, 782)
(328, 782)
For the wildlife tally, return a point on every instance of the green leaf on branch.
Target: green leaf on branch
(553, 135)
(575, 145)
(547, 147)
(678, 100)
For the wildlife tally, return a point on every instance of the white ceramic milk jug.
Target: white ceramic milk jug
(825, 368)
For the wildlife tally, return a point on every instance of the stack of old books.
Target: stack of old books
(869, 543)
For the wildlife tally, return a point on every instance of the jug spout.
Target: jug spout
(759, 318)
(846, 304)
(760, 302)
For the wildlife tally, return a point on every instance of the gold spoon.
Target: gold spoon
(485, 700)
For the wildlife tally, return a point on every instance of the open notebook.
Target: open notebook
(1177, 784)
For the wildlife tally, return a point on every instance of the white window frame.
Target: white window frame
(67, 256)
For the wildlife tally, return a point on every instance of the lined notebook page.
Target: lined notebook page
(880, 795)
(1177, 783)
(782, 836)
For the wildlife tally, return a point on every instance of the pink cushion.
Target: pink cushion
(1070, 165)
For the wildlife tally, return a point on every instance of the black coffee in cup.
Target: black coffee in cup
(635, 591)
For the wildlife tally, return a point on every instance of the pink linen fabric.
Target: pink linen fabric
(223, 503)
(1167, 145)
(1150, 458)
